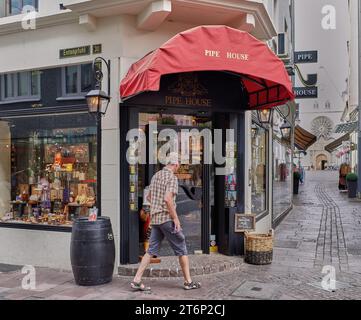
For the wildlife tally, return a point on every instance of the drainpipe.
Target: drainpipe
(359, 103)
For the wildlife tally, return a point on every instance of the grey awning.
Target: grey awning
(346, 127)
(303, 138)
(337, 143)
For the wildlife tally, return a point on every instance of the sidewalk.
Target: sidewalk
(323, 229)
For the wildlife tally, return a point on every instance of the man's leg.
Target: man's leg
(155, 240)
(178, 243)
(184, 263)
(143, 265)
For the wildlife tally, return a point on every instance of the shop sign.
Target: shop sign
(97, 48)
(187, 101)
(306, 57)
(80, 51)
(245, 222)
(187, 91)
(306, 92)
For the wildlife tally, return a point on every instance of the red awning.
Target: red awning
(214, 48)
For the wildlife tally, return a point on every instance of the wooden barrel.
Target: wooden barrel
(92, 251)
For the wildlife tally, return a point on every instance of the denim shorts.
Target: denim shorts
(176, 239)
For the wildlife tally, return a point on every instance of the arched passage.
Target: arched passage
(321, 162)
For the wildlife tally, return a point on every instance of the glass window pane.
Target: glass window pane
(47, 169)
(15, 6)
(258, 170)
(23, 84)
(282, 179)
(9, 86)
(32, 3)
(71, 80)
(35, 90)
(86, 77)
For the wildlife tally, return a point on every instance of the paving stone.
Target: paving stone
(257, 290)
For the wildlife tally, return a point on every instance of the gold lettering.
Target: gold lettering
(238, 56)
(188, 101)
(168, 100)
(212, 53)
(173, 100)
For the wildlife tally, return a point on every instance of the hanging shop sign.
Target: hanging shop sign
(306, 57)
(80, 51)
(245, 222)
(306, 92)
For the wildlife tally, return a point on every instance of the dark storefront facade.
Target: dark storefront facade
(200, 216)
(198, 99)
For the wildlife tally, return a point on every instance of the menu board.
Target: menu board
(245, 222)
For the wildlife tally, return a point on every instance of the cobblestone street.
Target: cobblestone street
(323, 229)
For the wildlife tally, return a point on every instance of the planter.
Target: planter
(352, 189)
(92, 251)
(259, 248)
(296, 185)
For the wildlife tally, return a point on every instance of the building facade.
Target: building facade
(345, 149)
(49, 140)
(320, 113)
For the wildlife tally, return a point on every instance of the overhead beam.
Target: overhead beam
(154, 15)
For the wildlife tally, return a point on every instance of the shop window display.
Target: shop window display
(258, 170)
(47, 169)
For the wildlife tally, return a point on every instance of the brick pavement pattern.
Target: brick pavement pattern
(324, 228)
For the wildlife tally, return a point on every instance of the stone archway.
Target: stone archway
(321, 162)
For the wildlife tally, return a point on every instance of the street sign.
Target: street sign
(306, 57)
(74, 52)
(306, 92)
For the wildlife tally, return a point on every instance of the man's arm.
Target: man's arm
(171, 208)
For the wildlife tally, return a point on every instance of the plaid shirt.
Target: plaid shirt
(163, 181)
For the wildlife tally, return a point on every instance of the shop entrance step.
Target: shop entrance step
(202, 264)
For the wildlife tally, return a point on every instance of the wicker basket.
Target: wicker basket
(259, 248)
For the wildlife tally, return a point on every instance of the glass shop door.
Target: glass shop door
(193, 190)
(189, 199)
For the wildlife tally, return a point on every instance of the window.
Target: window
(16, 6)
(77, 80)
(259, 169)
(282, 176)
(2, 8)
(20, 86)
(48, 171)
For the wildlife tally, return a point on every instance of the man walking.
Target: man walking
(165, 223)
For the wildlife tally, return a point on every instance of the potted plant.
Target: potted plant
(296, 181)
(351, 180)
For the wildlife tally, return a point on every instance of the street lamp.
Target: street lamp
(285, 130)
(98, 102)
(265, 116)
(254, 130)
